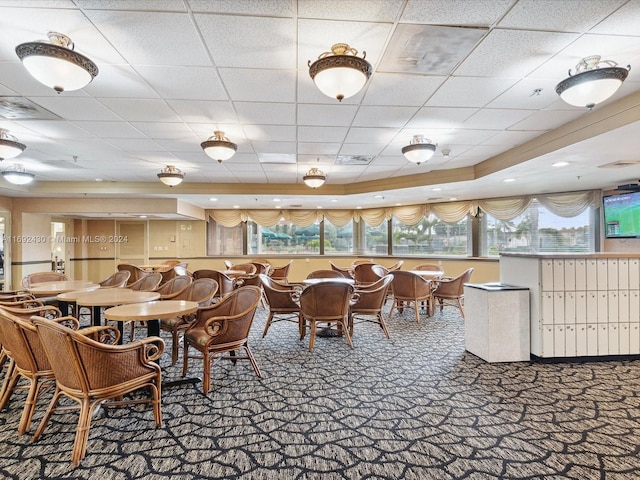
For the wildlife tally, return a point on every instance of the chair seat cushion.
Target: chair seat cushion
(174, 322)
(197, 336)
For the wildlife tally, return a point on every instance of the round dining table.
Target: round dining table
(109, 297)
(313, 281)
(63, 286)
(429, 274)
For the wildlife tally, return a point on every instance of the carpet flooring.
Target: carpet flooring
(416, 406)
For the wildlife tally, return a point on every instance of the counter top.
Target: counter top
(573, 255)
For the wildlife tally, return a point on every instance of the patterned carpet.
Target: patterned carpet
(416, 406)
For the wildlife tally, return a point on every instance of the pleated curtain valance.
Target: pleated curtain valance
(562, 204)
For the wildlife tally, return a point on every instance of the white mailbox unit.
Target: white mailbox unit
(580, 305)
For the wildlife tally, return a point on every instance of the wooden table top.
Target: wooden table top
(234, 273)
(151, 310)
(429, 274)
(107, 297)
(156, 268)
(54, 288)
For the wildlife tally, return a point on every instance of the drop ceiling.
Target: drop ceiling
(476, 77)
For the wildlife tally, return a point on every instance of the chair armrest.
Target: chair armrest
(68, 321)
(107, 334)
(152, 348)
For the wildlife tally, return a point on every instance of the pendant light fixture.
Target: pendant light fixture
(55, 63)
(171, 176)
(9, 145)
(219, 147)
(419, 150)
(17, 175)
(340, 73)
(315, 177)
(594, 81)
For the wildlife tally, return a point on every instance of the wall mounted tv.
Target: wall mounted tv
(622, 215)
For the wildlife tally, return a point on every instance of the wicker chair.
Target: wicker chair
(136, 273)
(396, 266)
(93, 374)
(148, 283)
(226, 284)
(325, 274)
(281, 300)
(363, 274)
(223, 328)
(450, 291)
(261, 266)
(281, 274)
(27, 360)
(428, 267)
(326, 302)
(255, 281)
(379, 270)
(117, 280)
(369, 301)
(42, 277)
(411, 290)
(174, 287)
(202, 291)
(346, 272)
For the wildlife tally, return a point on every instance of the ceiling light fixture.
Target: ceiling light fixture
(55, 64)
(17, 175)
(9, 145)
(594, 81)
(315, 177)
(419, 150)
(340, 73)
(171, 176)
(218, 147)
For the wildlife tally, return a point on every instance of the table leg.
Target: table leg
(95, 315)
(153, 328)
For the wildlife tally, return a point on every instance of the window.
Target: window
(280, 238)
(338, 240)
(537, 230)
(431, 236)
(376, 240)
(223, 240)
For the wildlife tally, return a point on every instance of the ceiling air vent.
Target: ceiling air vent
(354, 159)
(19, 108)
(620, 164)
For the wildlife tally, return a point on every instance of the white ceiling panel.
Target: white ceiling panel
(248, 85)
(496, 118)
(277, 8)
(416, 89)
(469, 91)
(370, 116)
(141, 110)
(79, 108)
(266, 113)
(455, 12)
(184, 83)
(195, 111)
(313, 114)
(112, 129)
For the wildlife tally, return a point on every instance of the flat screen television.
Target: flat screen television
(622, 215)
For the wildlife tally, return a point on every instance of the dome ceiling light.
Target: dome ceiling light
(340, 73)
(419, 150)
(595, 81)
(171, 176)
(55, 63)
(9, 145)
(314, 178)
(218, 147)
(17, 175)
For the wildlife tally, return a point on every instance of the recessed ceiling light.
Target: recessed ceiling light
(334, 200)
(276, 199)
(398, 204)
(278, 206)
(378, 196)
(213, 199)
(99, 180)
(143, 216)
(359, 208)
(452, 199)
(319, 207)
(236, 206)
(560, 164)
(507, 180)
(437, 189)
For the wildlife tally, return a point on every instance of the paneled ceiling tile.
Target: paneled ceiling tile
(252, 85)
(624, 21)
(279, 168)
(468, 136)
(276, 8)
(513, 53)
(434, 117)
(135, 144)
(55, 128)
(119, 81)
(528, 93)
(151, 38)
(485, 151)
(112, 129)
(338, 115)
(194, 111)
(455, 12)
(469, 91)
(270, 133)
(15, 77)
(359, 10)
(317, 36)
(165, 130)
(266, 113)
(141, 110)
(318, 148)
(268, 159)
(367, 149)
(322, 134)
(152, 5)
(76, 108)
(274, 147)
(496, 118)
(180, 146)
(511, 138)
(370, 135)
(233, 132)
(184, 83)
(280, 177)
(545, 120)
(241, 41)
(415, 91)
(559, 16)
(377, 116)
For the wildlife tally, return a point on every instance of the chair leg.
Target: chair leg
(9, 383)
(382, 323)
(416, 308)
(206, 372)
(302, 326)
(174, 346)
(312, 336)
(82, 433)
(268, 324)
(47, 414)
(157, 401)
(254, 364)
(29, 406)
(461, 307)
(346, 333)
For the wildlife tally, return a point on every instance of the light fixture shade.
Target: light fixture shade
(419, 150)
(340, 73)
(218, 147)
(9, 145)
(171, 176)
(55, 64)
(17, 175)
(595, 81)
(314, 178)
